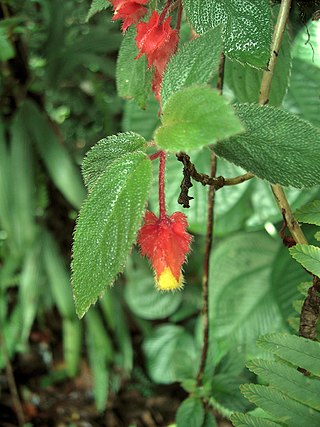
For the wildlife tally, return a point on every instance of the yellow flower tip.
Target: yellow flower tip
(167, 282)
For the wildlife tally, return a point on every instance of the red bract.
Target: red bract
(158, 41)
(130, 11)
(166, 243)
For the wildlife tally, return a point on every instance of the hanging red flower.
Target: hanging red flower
(166, 243)
(158, 41)
(130, 11)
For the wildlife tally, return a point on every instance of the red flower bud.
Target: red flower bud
(130, 11)
(158, 41)
(166, 243)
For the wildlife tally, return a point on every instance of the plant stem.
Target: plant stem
(162, 198)
(275, 47)
(12, 385)
(164, 12)
(208, 247)
(264, 95)
(291, 222)
(205, 274)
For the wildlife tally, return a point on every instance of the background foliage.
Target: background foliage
(58, 96)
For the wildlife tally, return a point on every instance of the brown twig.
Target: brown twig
(190, 171)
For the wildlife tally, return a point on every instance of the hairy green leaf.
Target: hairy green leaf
(247, 26)
(298, 351)
(106, 151)
(289, 381)
(195, 117)
(309, 213)
(107, 227)
(308, 256)
(133, 76)
(190, 413)
(196, 62)
(283, 408)
(272, 147)
(246, 420)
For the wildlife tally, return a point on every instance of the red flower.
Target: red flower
(166, 243)
(130, 11)
(158, 41)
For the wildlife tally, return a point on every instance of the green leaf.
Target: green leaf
(97, 6)
(194, 117)
(61, 168)
(308, 256)
(30, 286)
(58, 276)
(190, 413)
(226, 391)
(100, 353)
(23, 197)
(246, 420)
(286, 274)
(72, 344)
(195, 62)
(209, 420)
(107, 227)
(307, 44)
(245, 81)
(289, 381)
(6, 49)
(283, 408)
(304, 84)
(132, 75)
(116, 318)
(247, 26)
(271, 148)
(265, 208)
(164, 350)
(142, 297)
(309, 213)
(298, 351)
(106, 151)
(143, 122)
(6, 193)
(241, 302)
